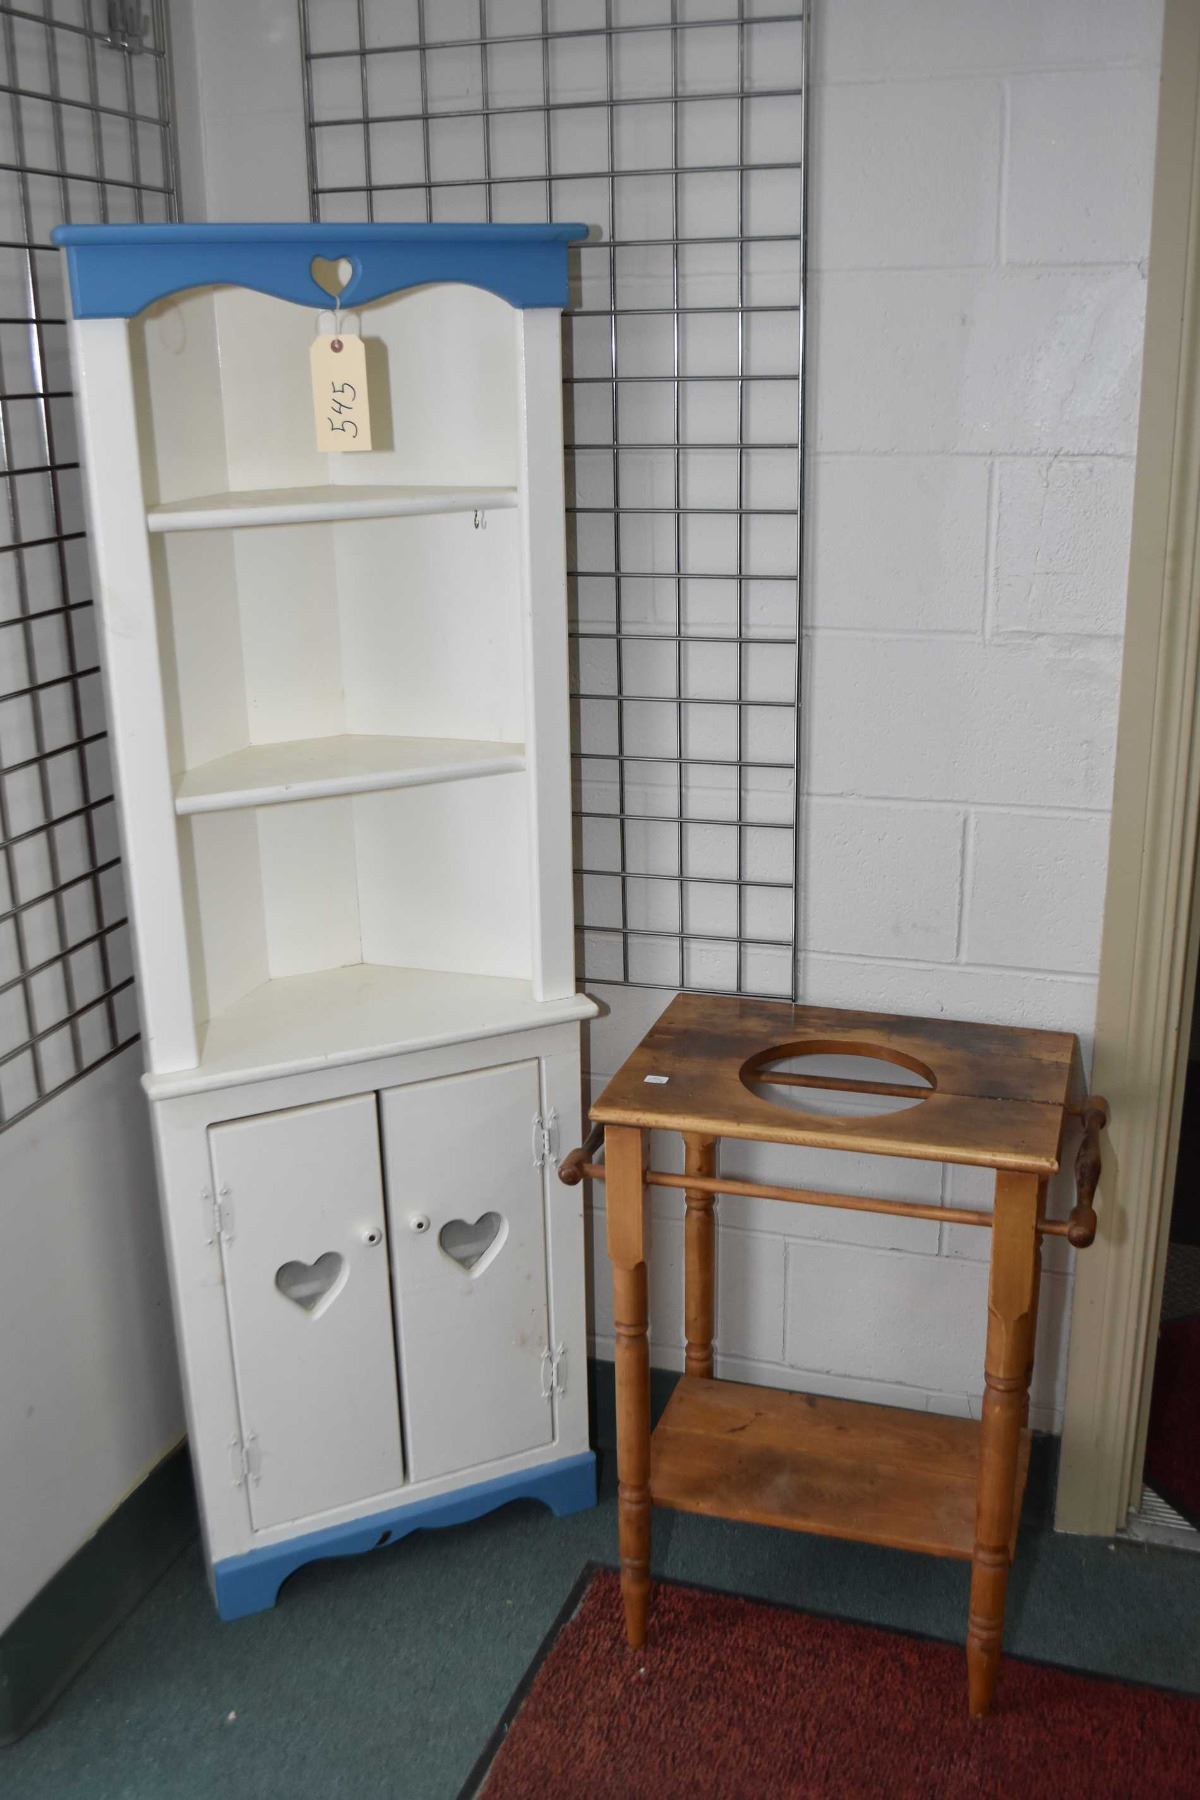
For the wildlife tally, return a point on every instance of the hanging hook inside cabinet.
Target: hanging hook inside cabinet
(480, 519)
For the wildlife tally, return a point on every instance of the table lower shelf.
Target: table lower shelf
(840, 1468)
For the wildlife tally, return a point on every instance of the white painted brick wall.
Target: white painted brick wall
(980, 192)
(913, 716)
(1062, 531)
(882, 879)
(1073, 193)
(900, 539)
(1032, 899)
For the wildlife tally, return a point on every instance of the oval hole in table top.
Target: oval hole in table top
(845, 1080)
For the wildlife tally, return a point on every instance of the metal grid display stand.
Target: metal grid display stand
(85, 135)
(676, 128)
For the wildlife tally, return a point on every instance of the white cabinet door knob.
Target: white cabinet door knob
(418, 1222)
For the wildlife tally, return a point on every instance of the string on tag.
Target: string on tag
(337, 336)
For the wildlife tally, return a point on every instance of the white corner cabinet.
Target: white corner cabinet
(337, 690)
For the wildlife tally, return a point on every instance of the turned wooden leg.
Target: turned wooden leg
(625, 1204)
(699, 1257)
(1007, 1365)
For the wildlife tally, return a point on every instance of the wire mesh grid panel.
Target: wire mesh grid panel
(675, 129)
(85, 135)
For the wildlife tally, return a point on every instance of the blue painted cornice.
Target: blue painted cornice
(116, 270)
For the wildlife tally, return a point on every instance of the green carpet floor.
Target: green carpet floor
(384, 1675)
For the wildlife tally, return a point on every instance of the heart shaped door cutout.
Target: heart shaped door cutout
(332, 276)
(312, 1286)
(473, 1247)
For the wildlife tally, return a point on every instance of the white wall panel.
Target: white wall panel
(1019, 360)
(920, 718)
(1061, 536)
(90, 1399)
(899, 543)
(861, 42)
(910, 174)
(1078, 191)
(881, 880)
(1032, 898)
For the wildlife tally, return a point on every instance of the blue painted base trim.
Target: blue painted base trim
(251, 1583)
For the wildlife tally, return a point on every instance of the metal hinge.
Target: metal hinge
(245, 1459)
(126, 26)
(545, 1139)
(554, 1371)
(220, 1215)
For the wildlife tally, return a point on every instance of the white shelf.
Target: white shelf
(318, 768)
(347, 1015)
(311, 505)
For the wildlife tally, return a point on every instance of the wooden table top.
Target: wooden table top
(996, 1094)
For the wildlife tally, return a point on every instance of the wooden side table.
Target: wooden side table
(992, 1096)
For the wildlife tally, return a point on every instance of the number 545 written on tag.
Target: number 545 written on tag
(341, 403)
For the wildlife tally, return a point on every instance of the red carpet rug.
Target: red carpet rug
(736, 1700)
(1173, 1443)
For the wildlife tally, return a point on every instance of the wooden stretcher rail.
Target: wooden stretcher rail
(1079, 1229)
(752, 1190)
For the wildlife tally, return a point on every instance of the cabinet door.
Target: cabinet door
(306, 1272)
(468, 1236)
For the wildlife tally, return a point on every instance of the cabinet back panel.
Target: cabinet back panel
(444, 877)
(309, 1306)
(406, 627)
(471, 1338)
(442, 365)
(430, 626)
(424, 878)
(309, 886)
(199, 646)
(451, 406)
(181, 419)
(266, 389)
(181, 426)
(222, 884)
(290, 642)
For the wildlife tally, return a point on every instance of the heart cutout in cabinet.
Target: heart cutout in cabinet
(473, 1247)
(331, 275)
(312, 1286)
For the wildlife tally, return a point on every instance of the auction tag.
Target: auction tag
(339, 383)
